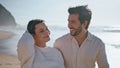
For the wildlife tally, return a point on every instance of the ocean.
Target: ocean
(110, 35)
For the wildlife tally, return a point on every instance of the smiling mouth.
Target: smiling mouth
(72, 29)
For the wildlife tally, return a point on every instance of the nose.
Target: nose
(47, 32)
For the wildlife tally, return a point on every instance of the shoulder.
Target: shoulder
(54, 50)
(61, 40)
(96, 40)
(64, 37)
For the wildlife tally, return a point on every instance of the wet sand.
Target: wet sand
(9, 61)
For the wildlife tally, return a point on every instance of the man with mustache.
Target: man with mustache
(80, 48)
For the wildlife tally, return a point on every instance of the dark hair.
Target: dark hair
(83, 11)
(31, 25)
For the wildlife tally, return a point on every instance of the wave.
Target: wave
(113, 29)
(116, 45)
(104, 29)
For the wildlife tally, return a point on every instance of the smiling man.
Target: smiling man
(80, 48)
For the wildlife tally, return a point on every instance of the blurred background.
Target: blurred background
(15, 15)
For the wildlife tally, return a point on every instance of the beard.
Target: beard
(77, 31)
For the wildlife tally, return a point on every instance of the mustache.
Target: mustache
(74, 28)
(77, 28)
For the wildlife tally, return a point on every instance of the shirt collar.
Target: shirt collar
(89, 37)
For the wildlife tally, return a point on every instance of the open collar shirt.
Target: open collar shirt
(85, 56)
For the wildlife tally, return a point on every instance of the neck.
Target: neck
(40, 44)
(81, 37)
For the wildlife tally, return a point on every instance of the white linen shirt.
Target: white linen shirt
(32, 56)
(91, 50)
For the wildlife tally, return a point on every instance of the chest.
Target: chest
(45, 59)
(87, 51)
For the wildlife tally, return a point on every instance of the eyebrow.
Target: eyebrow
(43, 28)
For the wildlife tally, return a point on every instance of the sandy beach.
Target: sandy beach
(9, 61)
(5, 34)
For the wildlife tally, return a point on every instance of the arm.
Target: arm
(60, 59)
(26, 50)
(57, 46)
(101, 57)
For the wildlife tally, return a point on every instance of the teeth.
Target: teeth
(71, 29)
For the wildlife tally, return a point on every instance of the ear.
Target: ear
(85, 24)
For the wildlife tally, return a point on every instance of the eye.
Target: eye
(73, 22)
(41, 31)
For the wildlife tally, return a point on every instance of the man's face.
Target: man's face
(74, 24)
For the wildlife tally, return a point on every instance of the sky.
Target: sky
(54, 12)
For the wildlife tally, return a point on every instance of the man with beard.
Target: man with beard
(80, 48)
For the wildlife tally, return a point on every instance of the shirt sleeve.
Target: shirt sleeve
(57, 44)
(26, 50)
(101, 57)
(60, 59)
